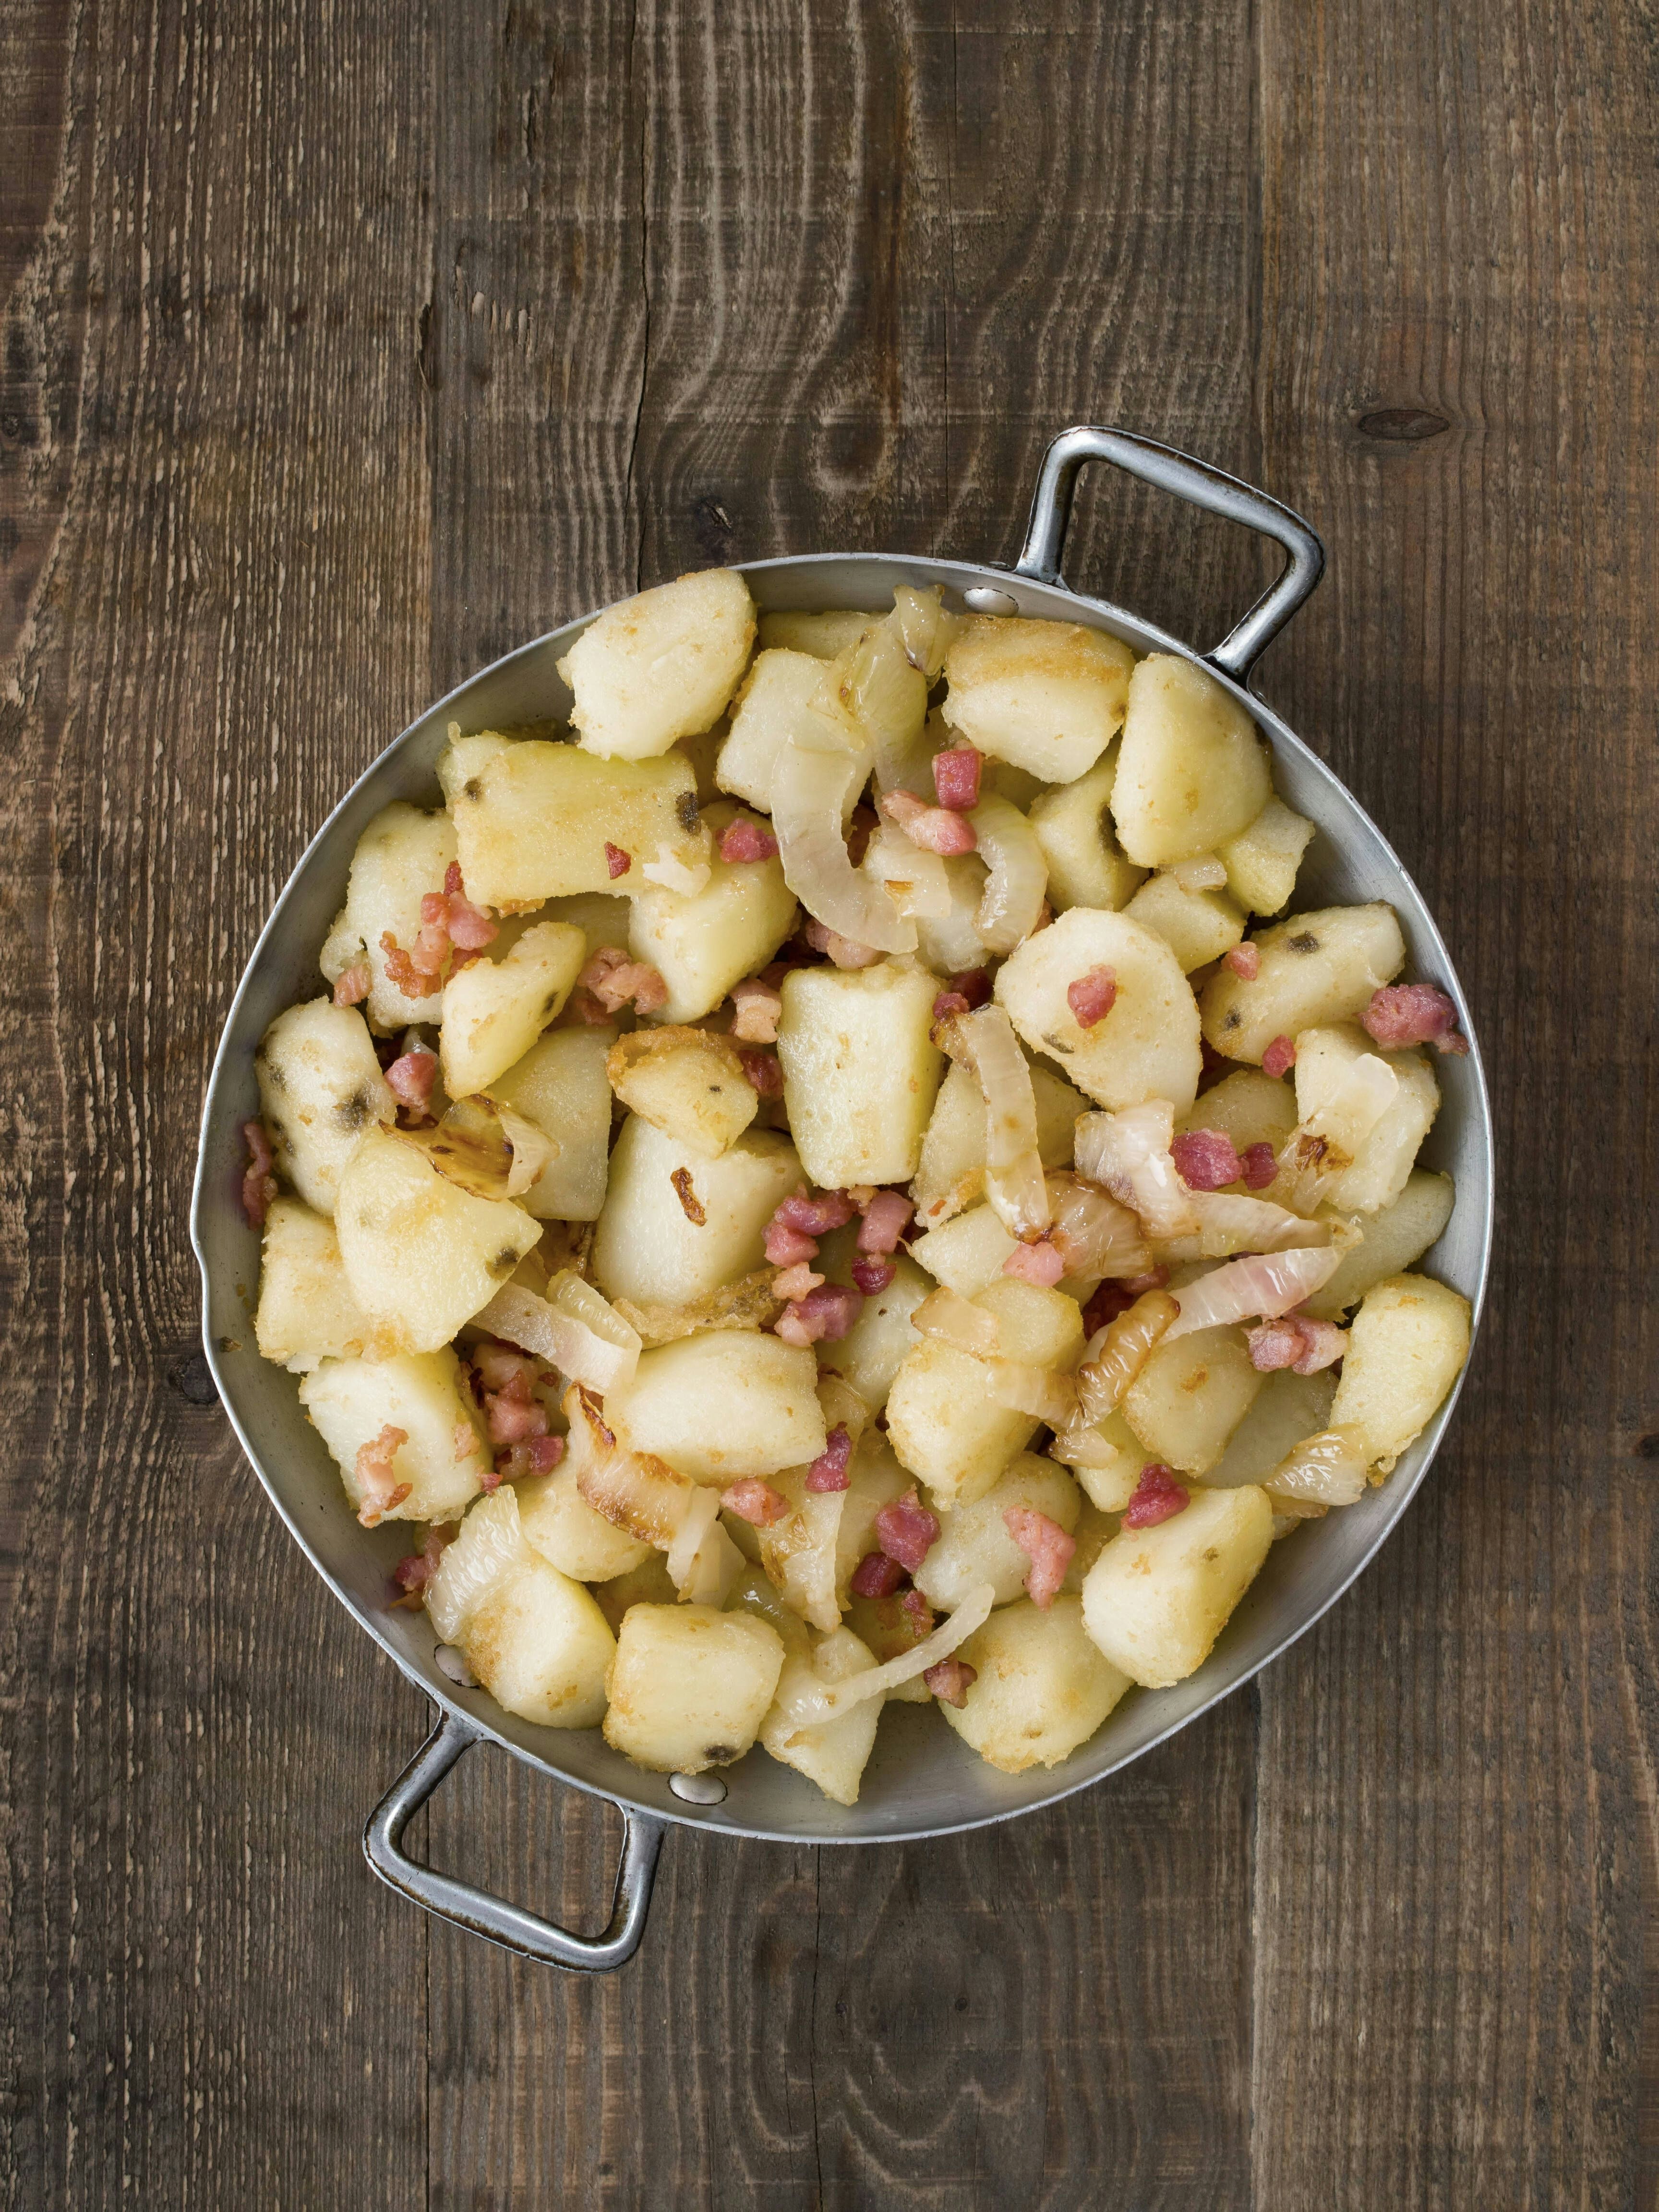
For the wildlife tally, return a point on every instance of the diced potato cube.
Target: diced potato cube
(821, 635)
(778, 698)
(532, 818)
(1323, 1057)
(688, 1083)
(352, 1401)
(1190, 1397)
(1120, 1456)
(967, 1253)
(1406, 1346)
(860, 1072)
(702, 943)
(494, 1010)
(1156, 1599)
(320, 1087)
(1147, 1047)
(1042, 1687)
(1191, 771)
(690, 1686)
(799, 1552)
(541, 1647)
(401, 856)
(306, 1312)
(1262, 861)
(1395, 1239)
(834, 1754)
(661, 665)
(649, 1584)
(650, 1247)
(942, 1420)
(1197, 927)
(975, 1547)
(723, 1405)
(951, 943)
(562, 1086)
(1287, 1410)
(1250, 1107)
(560, 1524)
(873, 1351)
(421, 1255)
(1046, 697)
(1316, 968)
(950, 1173)
(1074, 826)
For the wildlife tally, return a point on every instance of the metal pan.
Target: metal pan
(923, 1780)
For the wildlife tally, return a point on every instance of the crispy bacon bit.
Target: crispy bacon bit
(1260, 1165)
(411, 1078)
(1274, 1345)
(934, 829)
(1297, 1342)
(411, 1576)
(817, 1217)
(761, 1072)
(792, 1284)
(503, 1367)
(1039, 1263)
(744, 840)
(614, 979)
(877, 1576)
(1092, 997)
(906, 1530)
(535, 1455)
(755, 1502)
(1047, 1546)
(1245, 961)
(957, 772)
(947, 1004)
(1158, 1497)
(785, 1247)
(1279, 1058)
(617, 862)
(872, 1275)
(1323, 1344)
(258, 1184)
(822, 1316)
(417, 974)
(470, 927)
(1206, 1160)
(1413, 1013)
(886, 1218)
(513, 1419)
(690, 1205)
(450, 926)
(829, 1471)
(377, 1478)
(758, 1009)
(951, 1679)
(842, 951)
(354, 983)
(1114, 1297)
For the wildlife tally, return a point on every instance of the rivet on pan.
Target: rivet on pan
(452, 1662)
(987, 599)
(698, 1789)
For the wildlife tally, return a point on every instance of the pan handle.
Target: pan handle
(1204, 486)
(476, 1910)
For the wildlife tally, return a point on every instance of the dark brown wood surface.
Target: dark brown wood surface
(343, 345)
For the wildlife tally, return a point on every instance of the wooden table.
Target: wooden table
(347, 345)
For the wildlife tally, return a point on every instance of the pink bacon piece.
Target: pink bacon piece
(787, 1247)
(411, 1576)
(1401, 1014)
(1297, 1342)
(1279, 1058)
(1047, 1546)
(1274, 1345)
(841, 951)
(1158, 1497)
(1206, 1160)
(1260, 1165)
(354, 983)
(758, 1010)
(932, 829)
(956, 774)
(1092, 996)
(744, 840)
(504, 1366)
(822, 1316)
(906, 1530)
(410, 1079)
(886, 1218)
(258, 1184)
(1115, 1297)
(614, 979)
(470, 927)
(617, 862)
(951, 1679)
(377, 1477)
(815, 1216)
(536, 1455)
(755, 1502)
(877, 1576)
(871, 1276)
(829, 1471)
(1245, 961)
(795, 1283)
(1040, 1263)
(761, 1072)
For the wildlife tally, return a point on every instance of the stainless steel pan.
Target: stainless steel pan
(923, 1780)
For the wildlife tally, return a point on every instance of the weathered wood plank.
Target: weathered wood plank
(1457, 1834)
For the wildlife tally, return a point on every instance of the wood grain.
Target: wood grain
(342, 348)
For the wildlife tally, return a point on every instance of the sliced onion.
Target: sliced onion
(958, 1322)
(1323, 1148)
(1114, 1358)
(804, 1707)
(914, 879)
(573, 1326)
(1204, 872)
(842, 1407)
(1260, 1288)
(1012, 898)
(1129, 1153)
(635, 1491)
(924, 627)
(872, 686)
(1013, 1165)
(673, 874)
(484, 1148)
(702, 1512)
(809, 790)
(1328, 1469)
(489, 1547)
(1044, 1392)
(1097, 1237)
(715, 1568)
(799, 1552)
(1228, 1222)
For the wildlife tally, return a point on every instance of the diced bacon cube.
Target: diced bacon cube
(758, 1007)
(744, 840)
(1047, 1546)
(353, 984)
(1092, 996)
(841, 951)
(1245, 961)
(1322, 1344)
(815, 1216)
(956, 775)
(761, 1072)
(872, 1275)
(1279, 1058)
(829, 1471)
(877, 1576)
(951, 1679)
(1158, 1497)
(411, 1078)
(1401, 1014)
(1040, 1263)
(932, 829)
(1260, 1165)
(617, 863)
(1206, 1160)
(377, 1477)
(886, 1218)
(906, 1530)
(755, 1502)
(1274, 1345)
